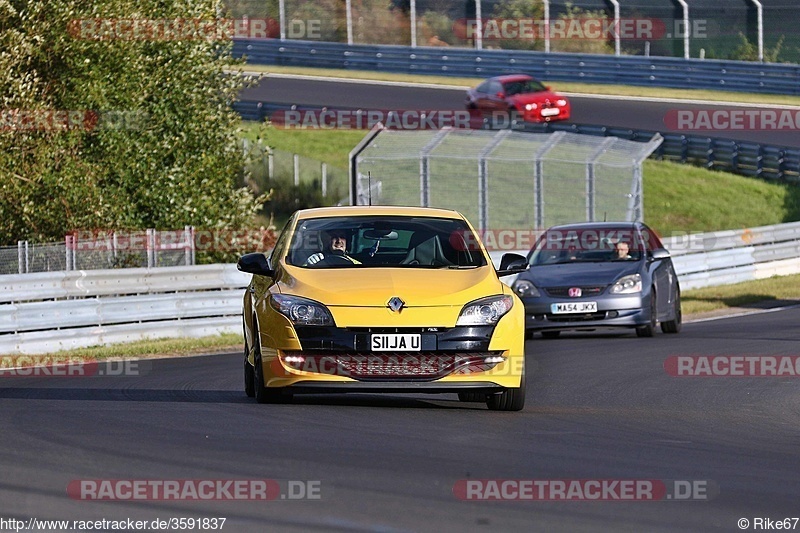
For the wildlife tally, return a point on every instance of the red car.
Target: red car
(518, 94)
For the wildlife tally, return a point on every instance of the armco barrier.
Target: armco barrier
(779, 163)
(652, 71)
(52, 311)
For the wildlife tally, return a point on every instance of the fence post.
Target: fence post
(282, 18)
(479, 34)
(324, 180)
(590, 176)
(296, 161)
(270, 163)
(151, 247)
(413, 23)
(187, 245)
(69, 239)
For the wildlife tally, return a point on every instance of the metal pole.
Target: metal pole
(151, 247)
(296, 159)
(67, 256)
(424, 166)
(546, 25)
(591, 189)
(27, 259)
(413, 23)
(282, 18)
(685, 7)
(349, 16)
(324, 180)
(20, 257)
(760, 14)
(616, 27)
(270, 164)
(478, 16)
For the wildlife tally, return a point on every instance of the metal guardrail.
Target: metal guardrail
(752, 77)
(47, 312)
(780, 163)
(51, 311)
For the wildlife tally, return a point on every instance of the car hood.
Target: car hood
(373, 287)
(580, 274)
(535, 98)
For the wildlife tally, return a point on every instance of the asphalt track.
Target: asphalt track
(619, 112)
(600, 406)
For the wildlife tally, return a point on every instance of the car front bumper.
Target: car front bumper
(612, 312)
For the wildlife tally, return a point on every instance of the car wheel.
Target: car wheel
(249, 376)
(471, 397)
(265, 394)
(674, 325)
(509, 399)
(649, 330)
(551, 334)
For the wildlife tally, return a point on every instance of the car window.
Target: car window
(483, 87)
(385, 241)
(495, 87)
(523, 87)
(586, 245)
(277, 251)
(651, 238)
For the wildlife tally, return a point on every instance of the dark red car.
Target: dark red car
(518, 94)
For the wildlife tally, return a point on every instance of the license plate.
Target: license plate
(396, 342)
(573, 307)
(550, 111)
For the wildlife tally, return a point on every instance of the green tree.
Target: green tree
(747, 51)
(150, 140)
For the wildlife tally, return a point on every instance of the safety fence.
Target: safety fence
(46, 312)
(751, 77)
(750, 159)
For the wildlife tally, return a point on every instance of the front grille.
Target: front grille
(576, 318)
(423, 366)
(563, 292)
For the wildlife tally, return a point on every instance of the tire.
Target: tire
(249, 376)
(509, 399)
(476, 397)
(265, 394)
(674, 325)
(551, 334)
(649, 330)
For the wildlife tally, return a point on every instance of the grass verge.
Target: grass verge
(561, 86)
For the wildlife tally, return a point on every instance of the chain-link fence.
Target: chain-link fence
(92, 250)
(506, 179)
(722, 29)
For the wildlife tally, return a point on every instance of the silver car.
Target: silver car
(597, 275)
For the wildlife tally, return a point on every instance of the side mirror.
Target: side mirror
(255, 263)
(660, 253)
(512, 264)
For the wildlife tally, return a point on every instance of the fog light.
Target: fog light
(494, 359)
(294, 359)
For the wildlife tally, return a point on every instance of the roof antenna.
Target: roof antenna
(369, 188)
(605, 216)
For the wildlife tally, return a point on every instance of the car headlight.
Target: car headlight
(627, 285)
(530, 107)
(485, 312)
(525, 289)
(302, 311)
(561, 102)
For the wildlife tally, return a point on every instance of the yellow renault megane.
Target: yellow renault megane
(383, 299)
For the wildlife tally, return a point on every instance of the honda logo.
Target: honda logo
(574, 292)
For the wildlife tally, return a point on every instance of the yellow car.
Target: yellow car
(383, 299)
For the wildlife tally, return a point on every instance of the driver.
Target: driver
(336, 246)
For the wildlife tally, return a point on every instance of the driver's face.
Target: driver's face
(338, 242)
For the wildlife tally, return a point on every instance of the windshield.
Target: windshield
(587, 246)
(523, 87)
(384, 241)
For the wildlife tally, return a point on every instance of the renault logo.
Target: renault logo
(395, 304)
